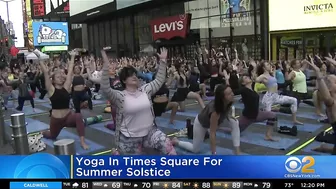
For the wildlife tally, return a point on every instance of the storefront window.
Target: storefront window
(107, 33)
(121, 31)
(176, 9)
(114, 33)
(91, 37)
(101, 35)
(96, 37)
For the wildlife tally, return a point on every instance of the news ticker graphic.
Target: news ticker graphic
(47, 166)
(196, 184)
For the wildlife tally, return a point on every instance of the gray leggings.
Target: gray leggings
(270, 99)
(199, 134)
(155, 139)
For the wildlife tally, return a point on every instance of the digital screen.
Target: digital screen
(50, 33)
(301, 14)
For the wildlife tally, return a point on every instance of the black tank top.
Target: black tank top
(60, 99)
(78, 80)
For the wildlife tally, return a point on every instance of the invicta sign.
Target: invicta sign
(318, 8)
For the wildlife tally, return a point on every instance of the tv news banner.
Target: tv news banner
(187, 172)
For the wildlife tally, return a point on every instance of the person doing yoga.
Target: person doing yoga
(183, 92)
(266, 72)
(79, 93)
(136, 128)
(327, 88)
(251, 113)
(298, 78)
(216, 114)
(59, 88)
(161, 103)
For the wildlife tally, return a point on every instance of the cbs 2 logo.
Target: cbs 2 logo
(294, 164)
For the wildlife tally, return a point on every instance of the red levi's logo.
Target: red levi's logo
(169, 27)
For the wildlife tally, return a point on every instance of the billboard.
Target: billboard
(50, 33)
(80, 11)
(304, 14)
(49, 8)
(121, 4)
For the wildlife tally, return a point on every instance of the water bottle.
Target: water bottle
(233, 111)
(189, 128)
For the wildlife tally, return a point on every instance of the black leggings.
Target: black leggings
(21, 101)
(81, 96)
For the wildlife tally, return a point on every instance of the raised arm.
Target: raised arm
(322, 87)
(111, 94)
(152, 87)
(48, 84)
(68, 81)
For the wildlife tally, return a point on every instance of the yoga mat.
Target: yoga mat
(33, 125)
(258, 139)
(307, 127)
(96, 102)
(164, 122)
(101, 127)
(205, 149)
(300, 114)
(45, 100)
(79, 150)
(28, 110)
(315, 144)
(46, 105)
(187, 113)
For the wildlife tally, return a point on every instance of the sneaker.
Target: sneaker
(182, 133)
(41, 55)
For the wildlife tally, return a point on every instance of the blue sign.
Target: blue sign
(50, 33)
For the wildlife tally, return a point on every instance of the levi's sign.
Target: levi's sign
(169, 27)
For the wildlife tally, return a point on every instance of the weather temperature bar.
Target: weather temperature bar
(168, 184)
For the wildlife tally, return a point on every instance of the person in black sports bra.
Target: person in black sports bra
(327, 89)
(79, 93)
(183, 92)
(161, 103)
(59, 91)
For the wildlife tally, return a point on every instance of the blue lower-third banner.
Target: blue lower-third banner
(204, 167)
(43, 165)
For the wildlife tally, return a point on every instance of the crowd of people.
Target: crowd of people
(138, 91)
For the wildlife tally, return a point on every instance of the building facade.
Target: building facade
(308, 29)
(129, 31)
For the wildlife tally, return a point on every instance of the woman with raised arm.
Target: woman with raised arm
(266, 76)
(136, 128)
(59, 89)
(327, 88)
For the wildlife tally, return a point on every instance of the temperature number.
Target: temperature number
(206, 185)
(236, 185)
(85, 185)
(176, 185)
(289, 185)
(116, 185)
(146, 185)
(266, 185)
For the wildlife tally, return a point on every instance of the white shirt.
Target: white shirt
(138, 117)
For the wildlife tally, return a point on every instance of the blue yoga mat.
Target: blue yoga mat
(187, 113)
(96, 102)
(79, 150)
(101, 127)
(258, 139)
(164, 122)
(33, 125)
(205, 149)
(45, 100)
(28, 110)
(307, 127)
(300, 114)
(46, 105)
(315, 144)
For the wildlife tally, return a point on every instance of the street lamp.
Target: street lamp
(231, 29)
(2, 121)
(7, 2)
